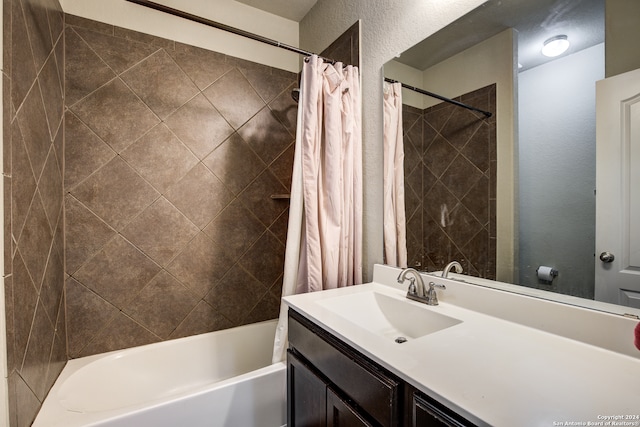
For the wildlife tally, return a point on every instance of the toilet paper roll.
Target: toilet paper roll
(546, 273)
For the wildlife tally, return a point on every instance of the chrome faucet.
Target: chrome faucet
(417, 292)
(447, 269)
(413, 289)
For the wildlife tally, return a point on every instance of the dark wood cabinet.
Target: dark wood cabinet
(341, 414)
(306, 395)
(427, 413)
(331, 384)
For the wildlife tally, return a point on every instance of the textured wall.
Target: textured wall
(388, 28)
(33, 220)
(172, 153)
(557, 108)
(450, 183)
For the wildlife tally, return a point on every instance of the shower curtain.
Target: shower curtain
(324, 236)
(394, 223)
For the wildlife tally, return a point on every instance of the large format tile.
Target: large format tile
(160, 158)
(116, 193)
(35, 240)
(235, 229)
(23, 183)
(121, 332)
(84, 70)
(35, 13)
(460, 176)
(162, 305)
(23, 70)
(36, 360)
(257, 198)
(201, 265)
(52, 94)
(236, 295)
(203, 318)
(118, 272)
(199, 195)
(161, 231)
(32, 120)
(199, 126)
(85, 152)
(234, 98)
(266, 135)
(264, 268)
(85, 234)
(88, 314)
(115, 114)
(25, 299)
(201, 65)
(235, 163)
(50, 187)
(268, 82)
(154, 155)
(161, 84)
(118, 53)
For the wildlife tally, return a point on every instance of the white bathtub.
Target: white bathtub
(222, 378)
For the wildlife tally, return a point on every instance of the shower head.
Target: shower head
(295, 94)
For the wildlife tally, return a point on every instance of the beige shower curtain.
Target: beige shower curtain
(324, 238)
(395, 241)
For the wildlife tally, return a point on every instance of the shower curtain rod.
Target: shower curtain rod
(440, 97)
(224, 27)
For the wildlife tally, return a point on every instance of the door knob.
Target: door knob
(607, 257)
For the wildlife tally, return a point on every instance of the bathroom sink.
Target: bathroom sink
(387, 316)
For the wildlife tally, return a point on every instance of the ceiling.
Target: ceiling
(535, 21)
(294, 10)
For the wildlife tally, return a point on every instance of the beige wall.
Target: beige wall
(621, 36)
(134, 17)
(388, 28)
(409, 75)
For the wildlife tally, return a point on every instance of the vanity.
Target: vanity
(368, 356)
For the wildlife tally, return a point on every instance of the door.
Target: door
(306, 395)
(618, 189)
(341, 414)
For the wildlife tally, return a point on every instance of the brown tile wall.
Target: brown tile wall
(33, 199)
(450, 181)
(172, 153)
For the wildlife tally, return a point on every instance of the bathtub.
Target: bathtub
(222, 378)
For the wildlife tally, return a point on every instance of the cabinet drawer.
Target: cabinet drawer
(373, 390)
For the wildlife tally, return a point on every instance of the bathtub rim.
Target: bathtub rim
(54, 410)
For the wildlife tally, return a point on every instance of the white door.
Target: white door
(618, 189)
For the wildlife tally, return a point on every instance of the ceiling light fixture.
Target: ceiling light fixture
(555, 46)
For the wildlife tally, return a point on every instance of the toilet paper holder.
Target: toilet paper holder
(546, 274)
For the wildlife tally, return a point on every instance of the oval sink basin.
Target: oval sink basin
(387, 316)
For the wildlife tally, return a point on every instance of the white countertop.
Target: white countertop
(493, 371)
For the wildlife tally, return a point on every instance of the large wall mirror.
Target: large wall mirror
(513, 196)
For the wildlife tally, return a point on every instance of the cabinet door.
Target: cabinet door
(306, 395)
(426, 414)
(341, 414)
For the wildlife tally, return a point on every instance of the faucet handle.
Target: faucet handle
(412, 290)
(432, 296)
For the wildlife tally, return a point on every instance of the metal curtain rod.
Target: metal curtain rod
(440, 97)
(220, 26)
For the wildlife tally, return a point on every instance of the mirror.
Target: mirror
(511, 197)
